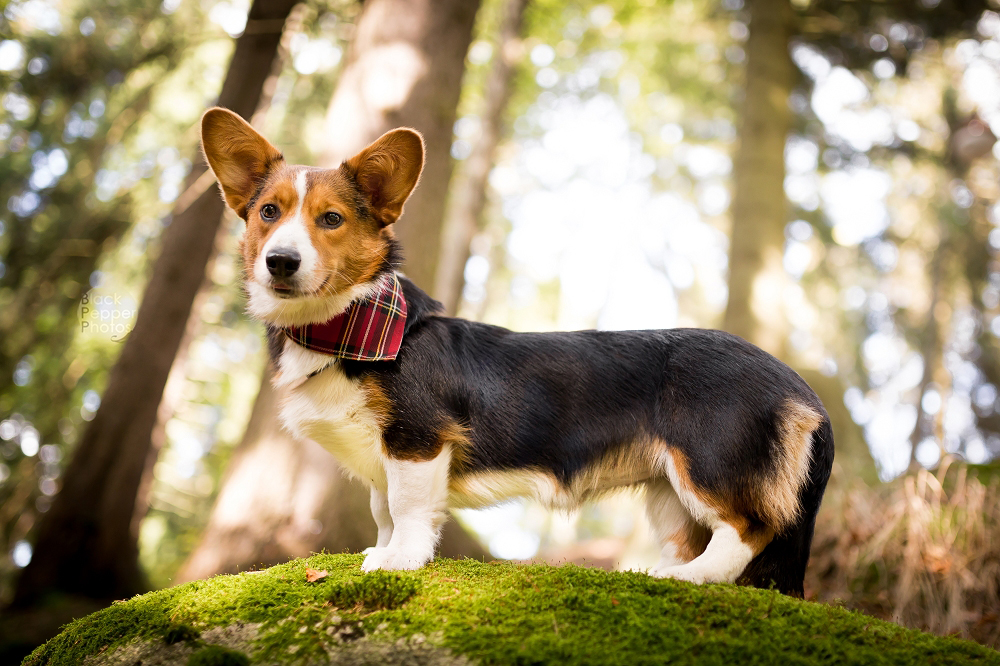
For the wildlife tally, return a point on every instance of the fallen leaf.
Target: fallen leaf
(313, 575)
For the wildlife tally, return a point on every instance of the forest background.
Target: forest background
(818, 176)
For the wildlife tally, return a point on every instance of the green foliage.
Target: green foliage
(501, 613)
(69, 176)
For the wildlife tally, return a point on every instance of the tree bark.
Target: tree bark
(469, 193)
(405, 68)
(283, 498)
(760, 210)
(87, 542)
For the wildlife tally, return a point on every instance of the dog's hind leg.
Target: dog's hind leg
(417, 502)
(724, 559)
(681, 539)
(735, 540)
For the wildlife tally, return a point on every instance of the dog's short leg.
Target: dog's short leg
(724, 559)
(417, 502)
(383, 519)
(681, 539)
(733, 543)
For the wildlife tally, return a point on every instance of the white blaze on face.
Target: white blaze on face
(312, 303)
(292, 234)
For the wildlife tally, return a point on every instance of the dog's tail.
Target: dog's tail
(782, 563)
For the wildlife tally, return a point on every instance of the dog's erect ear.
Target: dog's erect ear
(388, 170)
(239, 156)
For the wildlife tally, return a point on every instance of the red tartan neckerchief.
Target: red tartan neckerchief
(368, 330)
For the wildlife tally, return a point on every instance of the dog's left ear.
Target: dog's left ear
(388, 170)
(237, 154)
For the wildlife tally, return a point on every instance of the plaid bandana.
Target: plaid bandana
(369, 330)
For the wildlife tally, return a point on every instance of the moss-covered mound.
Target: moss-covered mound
(459, 612)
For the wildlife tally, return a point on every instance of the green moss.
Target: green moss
(215, 655)
(501, 613)
(379, 590)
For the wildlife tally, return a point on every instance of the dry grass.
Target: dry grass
(923, 551)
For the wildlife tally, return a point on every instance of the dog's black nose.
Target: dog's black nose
(282, 262)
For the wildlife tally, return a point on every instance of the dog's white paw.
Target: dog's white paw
(392, 560)
(682, 572)
(369, 550)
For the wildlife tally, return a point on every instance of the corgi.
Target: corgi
(430, 412)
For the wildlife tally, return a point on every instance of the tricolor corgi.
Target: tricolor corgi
(430, 412)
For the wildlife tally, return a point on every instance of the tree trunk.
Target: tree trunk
(405, 68)
(87, 542)
(469, 193)
(760, 210)
(283, 498)
(757, 277)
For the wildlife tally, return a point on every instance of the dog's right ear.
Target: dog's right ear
(237, 154)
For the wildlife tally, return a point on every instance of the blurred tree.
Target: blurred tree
(468, 195)
(426, 42)
(86, 543)
(847, 33)
(73, 93)
(759, 209)
(209, 394)
(282, 498)
(961, 236)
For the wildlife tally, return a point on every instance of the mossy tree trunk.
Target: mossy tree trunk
(87, 542)
(283, 498)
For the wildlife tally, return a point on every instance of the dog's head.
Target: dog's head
(316, 239)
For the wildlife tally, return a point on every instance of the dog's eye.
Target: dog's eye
(269, 212)
(331, 220)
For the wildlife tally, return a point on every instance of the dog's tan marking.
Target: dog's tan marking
(780, 493)
(451, 436)
(625, 466)
(689, 543)
(710, 508)
(352, 253)
(377, 401)
(480, 489)
(456, 437)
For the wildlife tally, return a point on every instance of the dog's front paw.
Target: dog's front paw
(392, 560)
(682, 572)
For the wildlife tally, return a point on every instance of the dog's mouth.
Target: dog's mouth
(287, 289)
(282, 289)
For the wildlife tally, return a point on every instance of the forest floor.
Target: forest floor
(323, 610)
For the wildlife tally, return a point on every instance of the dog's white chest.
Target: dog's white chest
(332, 410)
